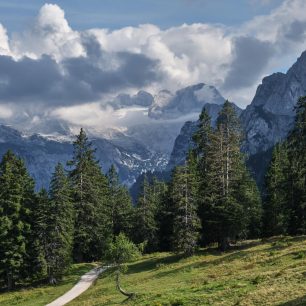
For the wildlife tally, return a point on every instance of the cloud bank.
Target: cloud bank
(51, 67)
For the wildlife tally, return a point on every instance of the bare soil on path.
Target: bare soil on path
(82, 285)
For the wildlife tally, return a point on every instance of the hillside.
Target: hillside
(272, 272)
(253, 273)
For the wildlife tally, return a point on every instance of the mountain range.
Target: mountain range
(141, 147)
(162, 140)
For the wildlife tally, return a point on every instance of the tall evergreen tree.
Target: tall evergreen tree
(186, 223)
(57, 225)
(222, 181)
(90, 195)
(203, 142)
(276, 214)
(248, 194)
(34, 263)
(120, 205)
(13, 227)
(296, 188)
(39, 231)
(163, 216)
(145, 219)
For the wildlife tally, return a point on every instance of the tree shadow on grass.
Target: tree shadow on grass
(152, 263)
(72, 277)
(235, 252)
(300, 301)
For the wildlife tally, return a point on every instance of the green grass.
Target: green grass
(272, 272)
(253, 273)
(36, 296)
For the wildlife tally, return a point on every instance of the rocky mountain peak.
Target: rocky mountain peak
(270, 116)
(186, 100)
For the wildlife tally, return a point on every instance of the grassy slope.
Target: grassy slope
(255, 273)
(45, 294)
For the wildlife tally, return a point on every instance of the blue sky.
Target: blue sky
(114, 14)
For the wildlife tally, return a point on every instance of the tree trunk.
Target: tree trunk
(10, 280)
(78, 256)
(224, 244)
(128, 294)
(51, 278)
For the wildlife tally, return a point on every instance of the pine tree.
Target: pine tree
(57, 225)
(225, 198)
(276, 214)
(248, 194)
(296, 187)
(39, 230)
(145, 219)
(13, 229)
(90, 196)
(34, 267)
(120, 205)
(202, 138)
(163, 216)
(34, 263)
(203, 141)
(186, 223)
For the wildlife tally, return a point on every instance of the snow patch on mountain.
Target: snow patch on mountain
(187, 100)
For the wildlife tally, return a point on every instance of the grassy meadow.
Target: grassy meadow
(270, 272)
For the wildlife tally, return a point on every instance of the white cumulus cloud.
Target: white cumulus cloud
(54, 66)
(50, 34)
(4, 43)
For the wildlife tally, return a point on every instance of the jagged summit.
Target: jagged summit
(270, 116)
(190, 99)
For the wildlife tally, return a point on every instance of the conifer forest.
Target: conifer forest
(212, 198)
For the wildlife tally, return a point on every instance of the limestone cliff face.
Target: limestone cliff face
(270, 116)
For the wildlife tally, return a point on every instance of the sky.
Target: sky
(115, 14)
(64, 57)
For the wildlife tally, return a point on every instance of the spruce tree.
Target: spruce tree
(13, 227)
(39, 230)
(120, 205)
(34, 264)
(248, 194)
(57, 225)
(90, 196)
(163, 216)
(145, 218)
(186, 223)
(225, 198)
(296, 187)
(202, 149)
(276, 214)
(34, 267)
